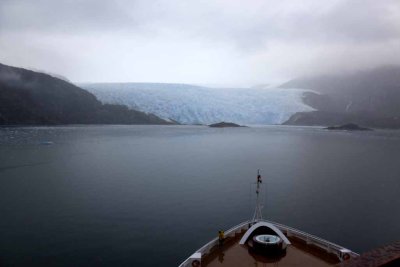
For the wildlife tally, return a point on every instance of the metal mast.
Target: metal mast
(258, 211)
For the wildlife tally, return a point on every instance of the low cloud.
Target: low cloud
(219, 41)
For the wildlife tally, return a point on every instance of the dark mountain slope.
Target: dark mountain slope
(370, 98)
(28, 97)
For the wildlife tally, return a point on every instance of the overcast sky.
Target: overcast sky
(227, 42)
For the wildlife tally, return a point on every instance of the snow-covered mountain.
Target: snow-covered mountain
(192, 104)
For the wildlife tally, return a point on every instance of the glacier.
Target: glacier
(191, 104)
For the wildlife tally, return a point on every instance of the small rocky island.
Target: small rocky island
(348, 127)
(224, 125)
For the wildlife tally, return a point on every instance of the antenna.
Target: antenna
(258, 211)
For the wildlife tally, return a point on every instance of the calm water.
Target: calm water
(151, 195)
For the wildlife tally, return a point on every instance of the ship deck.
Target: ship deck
(297, 254)
(298, 248)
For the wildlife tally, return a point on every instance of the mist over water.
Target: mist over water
(142, 195)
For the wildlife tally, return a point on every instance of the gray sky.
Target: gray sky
(230, 42)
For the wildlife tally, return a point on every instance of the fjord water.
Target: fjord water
(151, 195)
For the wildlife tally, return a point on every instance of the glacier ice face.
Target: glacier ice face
(191, 104)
